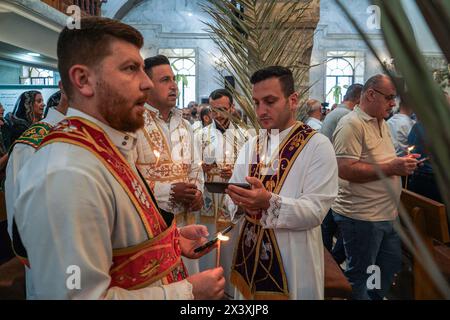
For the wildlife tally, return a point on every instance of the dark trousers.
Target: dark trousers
(370, 246)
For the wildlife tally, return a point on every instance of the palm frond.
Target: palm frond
(419, 90)
(267, 32)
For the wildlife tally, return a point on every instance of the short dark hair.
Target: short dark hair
(155, 61)
(284, 75)
(90, 44)
(219, 93)
(205, 111)
(353, 92)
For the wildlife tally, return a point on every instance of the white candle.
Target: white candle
(221, 238)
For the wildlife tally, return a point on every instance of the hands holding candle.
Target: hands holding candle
(208, 284)
(402, 166)
(220, 238)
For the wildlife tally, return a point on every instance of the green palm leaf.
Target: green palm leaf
(267, 32)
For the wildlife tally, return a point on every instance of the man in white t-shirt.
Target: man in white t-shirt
(366, 206)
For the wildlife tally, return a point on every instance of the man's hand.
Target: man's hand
(183, 192)
(254, 200)
(226, 172)
(197, 203)
(208, 285)
(191, 237)
(404, 166)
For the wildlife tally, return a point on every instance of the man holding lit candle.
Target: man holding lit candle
(366, 206)
(166, 153)
(82, 210)
(221, 141)
(293, 173)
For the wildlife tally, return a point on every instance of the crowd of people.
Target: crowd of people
(111, 176)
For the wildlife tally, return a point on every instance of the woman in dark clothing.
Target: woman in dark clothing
(53, 102)
(28, 110)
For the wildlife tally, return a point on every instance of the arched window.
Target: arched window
(343, 69)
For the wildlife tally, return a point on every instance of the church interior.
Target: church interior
(341, 54)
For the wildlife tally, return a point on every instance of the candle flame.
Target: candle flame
(411, 148)
(222, 237)
(156, 153)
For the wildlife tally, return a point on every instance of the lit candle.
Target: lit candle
(220, 238)
(408, 152)
(157, 155)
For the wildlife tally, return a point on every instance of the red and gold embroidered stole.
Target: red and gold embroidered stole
(258, 271)
(158, 258)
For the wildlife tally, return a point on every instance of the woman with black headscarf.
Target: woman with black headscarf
(28, 110)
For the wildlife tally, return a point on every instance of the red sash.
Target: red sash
(158, 258)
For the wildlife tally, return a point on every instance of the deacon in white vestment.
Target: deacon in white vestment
(219, 153)
(85, 222)
(20, 154)
(167, 155)
(76, 229)
(221, 141)
(304, 200)
(303, 189)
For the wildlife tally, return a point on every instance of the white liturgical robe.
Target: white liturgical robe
(297, 212)
(166, 153)
(71, 213)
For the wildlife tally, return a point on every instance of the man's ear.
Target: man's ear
(293, 101)
(82, 80)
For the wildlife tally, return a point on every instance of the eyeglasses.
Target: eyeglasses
(387, 97)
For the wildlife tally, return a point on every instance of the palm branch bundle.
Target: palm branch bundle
(252, 34)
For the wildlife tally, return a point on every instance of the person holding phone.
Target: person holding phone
(292, 171)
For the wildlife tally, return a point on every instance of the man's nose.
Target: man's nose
(147, 83)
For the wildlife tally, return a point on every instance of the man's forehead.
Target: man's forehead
(267, 88)
(220, 102)
(123, 51)
(162, 70)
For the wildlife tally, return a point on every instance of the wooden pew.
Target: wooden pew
(430, 219)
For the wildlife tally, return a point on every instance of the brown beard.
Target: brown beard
(114, 109)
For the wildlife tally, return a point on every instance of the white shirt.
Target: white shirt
(306, 196)
(71, 211)
(400, 126)
(314, 123)
(20, 154)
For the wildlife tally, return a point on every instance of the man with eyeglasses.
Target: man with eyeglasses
(366, 206)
